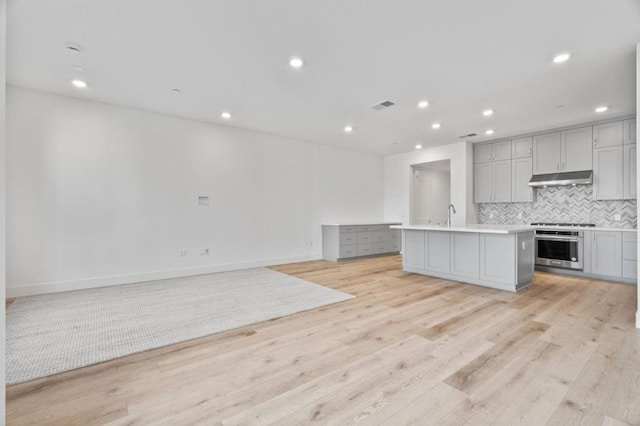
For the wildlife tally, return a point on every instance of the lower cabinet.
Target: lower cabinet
(437, 255)
(503, 261)
(497, 256)
(465, 247)
(349, 241)
(611, 254)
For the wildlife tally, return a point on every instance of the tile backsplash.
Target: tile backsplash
(562, 204)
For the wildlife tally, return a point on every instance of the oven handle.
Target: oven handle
(551, 238)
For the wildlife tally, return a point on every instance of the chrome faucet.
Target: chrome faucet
(451, 207)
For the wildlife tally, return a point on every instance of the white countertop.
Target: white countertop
(361, 224)
(481, 229)
(507, 229)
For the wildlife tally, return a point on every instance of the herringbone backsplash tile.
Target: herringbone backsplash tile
(571, 204)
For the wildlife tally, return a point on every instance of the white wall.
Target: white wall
(397, 187)
(638, 165)
(3, 28)
(101, 194)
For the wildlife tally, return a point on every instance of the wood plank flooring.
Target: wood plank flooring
(408, 349)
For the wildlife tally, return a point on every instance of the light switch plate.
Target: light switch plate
(617, 217)
(203, 200)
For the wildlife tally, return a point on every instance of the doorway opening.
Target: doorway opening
(430, 193)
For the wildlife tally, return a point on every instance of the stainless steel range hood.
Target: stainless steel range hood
(584, 177)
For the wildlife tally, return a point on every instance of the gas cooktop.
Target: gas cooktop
(564, 225)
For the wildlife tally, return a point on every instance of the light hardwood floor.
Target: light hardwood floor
(408, 349)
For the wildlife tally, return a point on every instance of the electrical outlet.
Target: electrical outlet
(204, 252)
(490, 215)
(520, 215)
(184, 252)
(617, 217)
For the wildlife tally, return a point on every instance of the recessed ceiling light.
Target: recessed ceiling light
(79, 69)
(561, 57)
(176, 90)
(602, 108)
(418, 146)
(226, 115)
(80, 84)
(489, 132)
(487, 112)
(435, 126)
(348, 129)
(423, 104)
(296, 62)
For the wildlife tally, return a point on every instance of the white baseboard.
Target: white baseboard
(59, 286)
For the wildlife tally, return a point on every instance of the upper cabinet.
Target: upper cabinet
(629, 131)
(546, 153)
(492, 182)
(576, 150)
(608, 134)
(496, 151)
(522, 147)
(521, 171)
(566, 151)
(614, 160)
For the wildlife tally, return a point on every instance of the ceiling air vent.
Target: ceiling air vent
(382, 105)
(470, 135)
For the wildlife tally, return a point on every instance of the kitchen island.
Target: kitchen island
(493, 256)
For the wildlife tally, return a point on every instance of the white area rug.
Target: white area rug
(51, 333)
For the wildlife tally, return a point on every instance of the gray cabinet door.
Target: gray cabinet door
(629, 130)
(522, 147)
(483, 182)
(606, 253)
(608, 134)
(608, 174)
(501, 151)
(414, 246)
(630, 172)
(437, 258)
(465, 254)
(497, 258)
(521, 171)
(546, 153)
(502, 181)
(576, 149)
(482, 153)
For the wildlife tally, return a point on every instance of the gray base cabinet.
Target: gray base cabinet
(340, 242)
(610, 255)
(502, 261)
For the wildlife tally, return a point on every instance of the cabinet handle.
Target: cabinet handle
(529, 151)
(595, 141)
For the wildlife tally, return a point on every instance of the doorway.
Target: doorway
(430, 193)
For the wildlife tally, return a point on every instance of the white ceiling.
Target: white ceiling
(463, 56)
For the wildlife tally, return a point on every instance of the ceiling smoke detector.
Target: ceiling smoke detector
(382, 105)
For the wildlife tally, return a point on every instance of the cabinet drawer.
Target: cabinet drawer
(349, 251)
(629, 250)
(630, 269)
(380, 248)
(630, 236)
(348, 238)
(381, 236)
(350, 228)
(365, 237)
(365, 228)
(365, 249)
(380, 228)
(394, 246)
